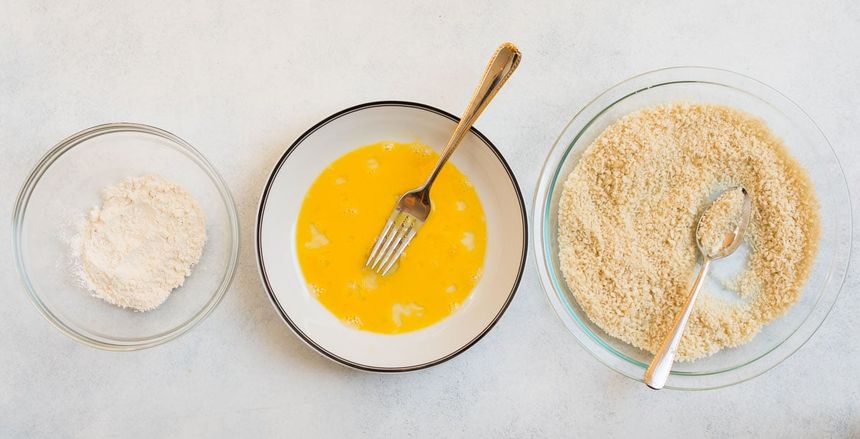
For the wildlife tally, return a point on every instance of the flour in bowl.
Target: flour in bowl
(141, 243)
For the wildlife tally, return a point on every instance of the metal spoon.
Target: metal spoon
(661, 365)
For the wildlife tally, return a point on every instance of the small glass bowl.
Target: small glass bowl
(805, 141)
(58, 194)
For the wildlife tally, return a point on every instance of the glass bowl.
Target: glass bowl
(66, 184)
(805, 141)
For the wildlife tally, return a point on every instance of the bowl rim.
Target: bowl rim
(552, 167)
(30, 184)
(285, 316)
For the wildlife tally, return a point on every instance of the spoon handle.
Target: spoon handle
(661, 364)
(499, 69)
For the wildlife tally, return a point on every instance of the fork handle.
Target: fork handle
(499, 69)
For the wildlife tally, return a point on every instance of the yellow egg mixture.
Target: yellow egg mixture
(344, 211)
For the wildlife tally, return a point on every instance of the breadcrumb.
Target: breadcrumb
(628, 213)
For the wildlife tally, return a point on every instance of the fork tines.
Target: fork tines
(399, 230)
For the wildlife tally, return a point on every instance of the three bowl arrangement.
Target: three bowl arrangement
(71, 172)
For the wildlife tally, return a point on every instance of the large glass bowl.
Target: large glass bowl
(805, 141)
(66, 184)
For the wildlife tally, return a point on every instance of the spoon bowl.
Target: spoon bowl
(735, 237)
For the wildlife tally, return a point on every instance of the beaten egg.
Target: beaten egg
(344, 211)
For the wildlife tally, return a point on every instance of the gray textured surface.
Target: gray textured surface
(241, 82)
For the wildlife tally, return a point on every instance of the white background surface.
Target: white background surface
(241, 82)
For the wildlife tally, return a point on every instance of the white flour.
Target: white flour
(141, 243)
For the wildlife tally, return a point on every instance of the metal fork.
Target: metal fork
(414, 206)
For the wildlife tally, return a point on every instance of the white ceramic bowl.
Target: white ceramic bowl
(282, 199)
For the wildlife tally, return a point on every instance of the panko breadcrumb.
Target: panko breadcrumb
(628, 213)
